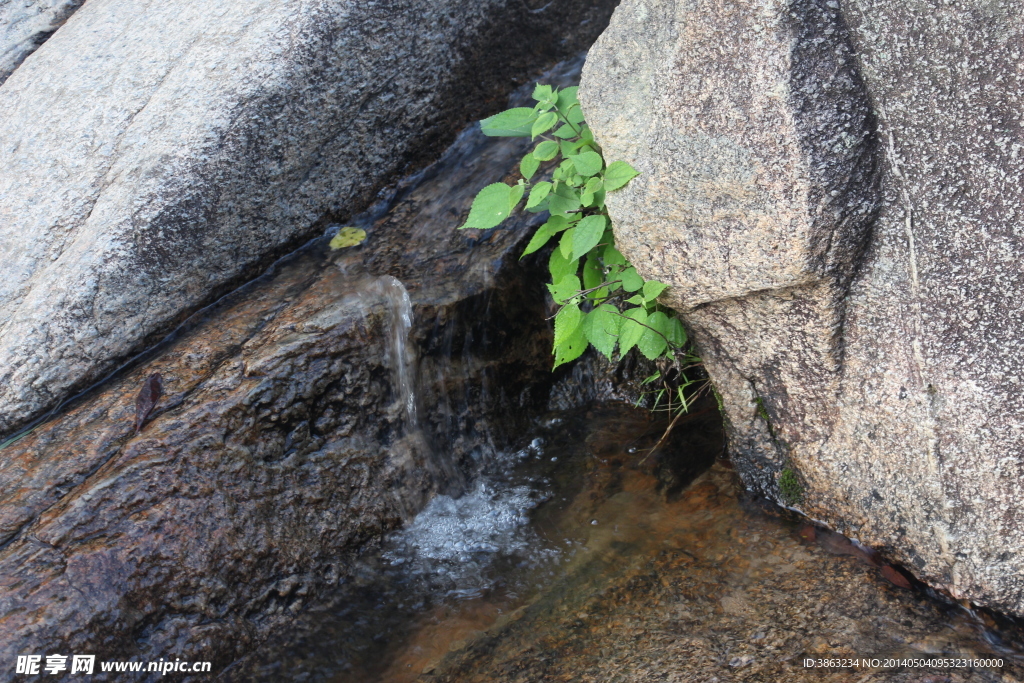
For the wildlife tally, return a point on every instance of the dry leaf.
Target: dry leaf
(147, 399)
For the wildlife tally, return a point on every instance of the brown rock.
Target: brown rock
(302, 417)
(895, 576)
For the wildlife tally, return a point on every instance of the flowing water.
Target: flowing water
(569, 560)
(369, 291)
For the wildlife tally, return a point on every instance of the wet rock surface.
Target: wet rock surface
(828, 188)
(619, 576)
(465, 564)
(300, 418)
(157, 156)
(711, 588)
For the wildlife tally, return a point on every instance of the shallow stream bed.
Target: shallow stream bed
(572, 560)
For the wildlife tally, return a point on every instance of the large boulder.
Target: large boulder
(301, 418)
(157, 154)
(25, 25)
(832, 189)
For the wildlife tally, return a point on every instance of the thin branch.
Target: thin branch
(675, 421)
(576, 130)
(583, 292)
(667, 340)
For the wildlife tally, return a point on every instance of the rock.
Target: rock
(300, 419)
(25, 25)
(831, 189)
(158, 155)
(685, 591)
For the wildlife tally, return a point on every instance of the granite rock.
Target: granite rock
(157, 155)
(25, 25)
(832, 191)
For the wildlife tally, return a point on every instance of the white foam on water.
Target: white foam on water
(452, 542)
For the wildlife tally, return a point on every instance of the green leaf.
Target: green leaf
(567, 99)
(565, 245)
(631, 282)
(560, 267)
(543, 95)
(544, 123)
(514, 195)
(569, 148)
(586, 135)
(632, 329)
(566, 289)
(552, 227)
(652, 288)
(587, 234)
(593, 275)
(565, 132)
(601, 327)
(652, 344)
(575, 114)
(514, 123)
(658, 321)
(546, 150)
(528, 166)
(572, 348)
(543, 206)
(675, 332)
(347, 237)
(636, 300)
(618, 174)
(558, 223)
(593, 185)
(491, 206)
(539, 239)
(567, 320)
(587, 198)
(538, 194)
(563, 200)
(587, 163)
(612, 256)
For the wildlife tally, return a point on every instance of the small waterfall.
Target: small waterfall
(400, 353)
(371, 290)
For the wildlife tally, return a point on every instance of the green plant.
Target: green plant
(790, 488)
(602, 301)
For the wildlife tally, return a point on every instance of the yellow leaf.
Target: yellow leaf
(348, 237)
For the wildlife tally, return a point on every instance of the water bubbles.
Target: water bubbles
(453, 541)
(594, 522)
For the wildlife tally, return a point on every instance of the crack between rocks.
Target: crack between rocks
(105, 182)
(224, 357)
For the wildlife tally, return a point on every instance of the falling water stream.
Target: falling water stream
(370, 290)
